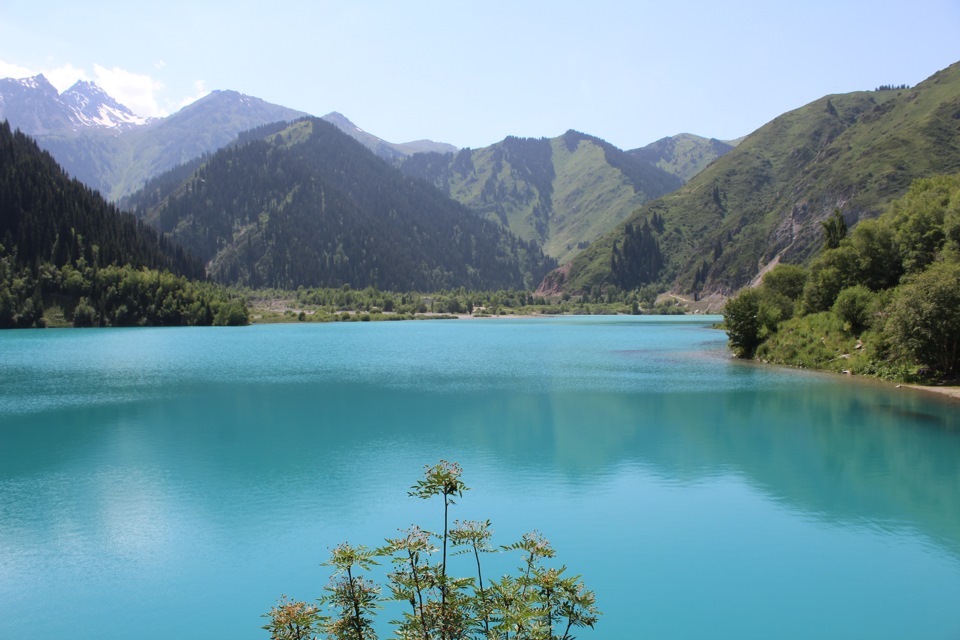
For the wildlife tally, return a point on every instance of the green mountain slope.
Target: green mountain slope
(67, 257)
(47, 217)
(684, 155)
(311, 206)
(562, 192)
(762, 203)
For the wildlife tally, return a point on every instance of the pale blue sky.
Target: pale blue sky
(471, 73)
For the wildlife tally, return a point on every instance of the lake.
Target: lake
(173, 483)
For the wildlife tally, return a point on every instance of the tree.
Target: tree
(918, 218)
(924, 318)
(853, 308)
(834, 230)
(786, 280)
(540, 603)
(881, 264)
(831, 272)
(232, 314)
(741, 319)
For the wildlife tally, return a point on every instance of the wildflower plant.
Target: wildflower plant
(540, 602)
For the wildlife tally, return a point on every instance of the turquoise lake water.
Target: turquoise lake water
(172, 483)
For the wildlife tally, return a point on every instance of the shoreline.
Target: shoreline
(943, 392)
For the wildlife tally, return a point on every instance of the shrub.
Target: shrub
(853, 306)
(924, 318)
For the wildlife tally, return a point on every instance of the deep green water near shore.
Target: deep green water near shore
(172, 483)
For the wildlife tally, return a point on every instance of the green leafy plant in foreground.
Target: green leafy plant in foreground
(540, 602)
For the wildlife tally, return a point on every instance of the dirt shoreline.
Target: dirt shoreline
(950, 392)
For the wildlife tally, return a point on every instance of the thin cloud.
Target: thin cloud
(62, 77)
(136, 91)
(201, 90)
(65, 76)
(8, 70)
(139, 92)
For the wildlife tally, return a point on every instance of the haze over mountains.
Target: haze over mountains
(36, 107)
(306, 205)
(106, 146)
(687, 214)
(562, 194)
(762, 203)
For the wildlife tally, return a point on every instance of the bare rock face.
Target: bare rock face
(552, 283)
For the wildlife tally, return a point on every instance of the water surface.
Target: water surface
(172, 483)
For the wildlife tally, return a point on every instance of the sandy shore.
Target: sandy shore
(950, 392)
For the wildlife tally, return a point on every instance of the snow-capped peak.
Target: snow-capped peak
(38, 81)
(89, 105)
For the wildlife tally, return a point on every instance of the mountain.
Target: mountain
(308, 205)
(51, 218)
(684, 155)
(115, 151)
(67, 257)
(90, 106)
(561, 192)
(118, 163)
(762, 203)
(35, 107)
(106, 146)
(387, 150)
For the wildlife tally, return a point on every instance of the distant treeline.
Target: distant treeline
(892, 87)
(80, 295)
(345, 303)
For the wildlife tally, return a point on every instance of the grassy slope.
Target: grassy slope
(764, 200)
(562, 192)
(683, 155)
(590, 197)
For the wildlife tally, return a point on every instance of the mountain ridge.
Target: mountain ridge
(309, 205)
(117, 160)
(762, 203)
(685, 154)
(112, 149)
(389, 151)
(562, 192)
(37, 108)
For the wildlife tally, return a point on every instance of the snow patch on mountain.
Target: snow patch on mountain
(82, 106)
(90, 106)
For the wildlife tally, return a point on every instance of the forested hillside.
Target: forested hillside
(882, 300)
(48, 217)
(561, 192)
(311, 206)
(762, 203)
(62, 245)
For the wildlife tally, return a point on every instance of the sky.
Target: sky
(472, 73)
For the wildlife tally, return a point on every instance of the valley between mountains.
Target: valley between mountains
(244, 193)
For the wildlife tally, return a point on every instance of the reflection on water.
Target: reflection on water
(141, 470)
